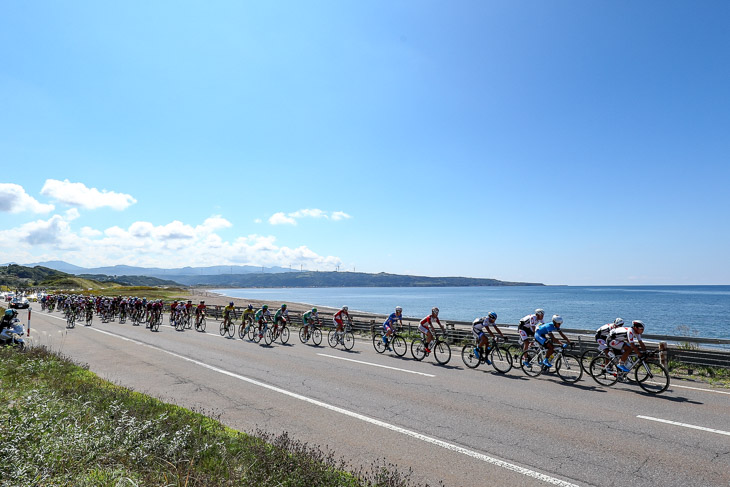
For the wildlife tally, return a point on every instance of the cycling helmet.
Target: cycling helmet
(8, 312)
(202, 302)
(398, 308)
(283, 306)
(557, 320)
(250, 306)
(492, 316)
(314, 310)
(230, 304)
(618, 322)
(344, 308)
(434, 311)
(540, 311)
(189, 300)
(637, 324)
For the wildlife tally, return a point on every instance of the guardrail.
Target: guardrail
(686, 350)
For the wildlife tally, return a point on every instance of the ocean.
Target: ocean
(702, 311)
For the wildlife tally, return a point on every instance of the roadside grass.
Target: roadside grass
(64, 426)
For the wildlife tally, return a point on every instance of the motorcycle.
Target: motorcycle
(13, 336)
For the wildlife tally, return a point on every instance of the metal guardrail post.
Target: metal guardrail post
(663, 359)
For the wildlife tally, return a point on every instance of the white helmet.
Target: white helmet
(398, 308)
(557, 320)
(618, 322)
(344, 308)
(540, 311)
(434, 311)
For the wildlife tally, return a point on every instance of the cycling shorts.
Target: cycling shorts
(542, 339)
(617, 344)
(601, 344)
(478, 335)
(525, 332)
(423, 329)
(387, 327)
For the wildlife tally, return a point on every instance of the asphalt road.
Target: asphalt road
(448, 423)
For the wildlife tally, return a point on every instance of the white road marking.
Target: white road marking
(672, 386)
(413, 434)
(375, 365)
(675, 423)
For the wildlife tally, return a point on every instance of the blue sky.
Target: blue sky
(566, 142)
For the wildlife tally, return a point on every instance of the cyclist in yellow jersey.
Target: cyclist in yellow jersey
(227, 312)
(248, 317)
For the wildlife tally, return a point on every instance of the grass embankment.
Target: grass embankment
(64, 426)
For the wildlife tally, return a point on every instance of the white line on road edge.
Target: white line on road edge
(699, 389)
(434, 441)
(701, 428)
(375, 365)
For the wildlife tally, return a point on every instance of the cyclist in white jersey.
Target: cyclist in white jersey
(622, 336)
(602, 335)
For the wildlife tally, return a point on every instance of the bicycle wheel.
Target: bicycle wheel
(70, 323)
(284, 335)
(587, 357)
(442, 352)
(302, 336)
(378, 343)
(348, 340)
(332, 338)
(222, 329)
(189, 322)
(569, 368)
(603, 371)
(155, 326)
(399, 345)
(202, 324)
(469, 358)
(231, 330)
(418, 349)
(501, 359)
(253, 334)
(242, 331)
(652, 377)
(530, 362)
(268, 336)
(316, 336)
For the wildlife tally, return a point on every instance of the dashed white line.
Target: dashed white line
(699, 389)
(413, 434)
(375, 365)
(692, 426)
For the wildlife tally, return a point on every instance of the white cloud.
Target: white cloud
(282, 218)
(14, 199)
(77, 194)
(340, 215)
(174, 244)
(72, 214)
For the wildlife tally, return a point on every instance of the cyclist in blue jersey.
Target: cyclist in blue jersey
(388, 325)
(544, 336)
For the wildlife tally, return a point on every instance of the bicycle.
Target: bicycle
(70, 319)
(89, 317)
(313, 332)
(263, 332)
(653, 377)
(246, 326)
(441, 350)
(122, 317)
(228, 327)
(498, 356)
(345, 337)
(567, 365)
(200, 322)
(396, 341)
(179, 321)
(280, 332)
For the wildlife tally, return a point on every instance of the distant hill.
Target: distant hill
(125, 270)
(338, 279)
(14, 275)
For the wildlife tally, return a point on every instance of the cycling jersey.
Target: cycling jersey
(338, 316)
(261, 315)
(527, 326)
(281, 315)
(309, 316)
(428, 320)
(542, 332)
(227, 310)
(623, 334)
(247, 313)
(479, 326)
(391, 321)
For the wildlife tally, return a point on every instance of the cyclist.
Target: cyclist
(544, 336)
(309, 318)
(426, 327)
(602, 335)
(527, 327)
(622, 336)
(227, 312)
(388, 324)
(478, 328)
(281, 316)
(262, 316)
(339, 321)
(199, 312)
(248, 317)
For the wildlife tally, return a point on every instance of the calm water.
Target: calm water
(704, 310)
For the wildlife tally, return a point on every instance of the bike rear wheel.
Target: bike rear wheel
(652, 377)
(568, 368)
(418, 349)
(603, 371)
(587, 357)
(442, 352)
(284, 335)
(303, 336)
(332, 338)
(378, 343)
(268, 336)
(155, 326)
(231, 330)
(469, 357)
(530, 362)
(501, 359)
